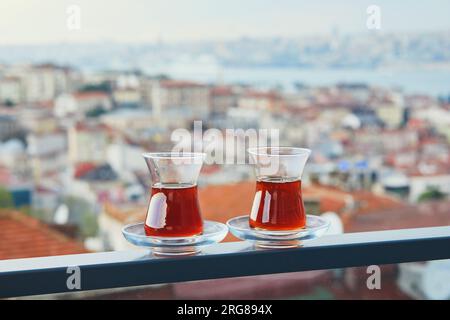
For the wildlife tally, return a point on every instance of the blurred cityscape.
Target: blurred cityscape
(75, 119)
(333, 50)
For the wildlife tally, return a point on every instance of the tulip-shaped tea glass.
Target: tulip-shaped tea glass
(173, 225)
(174, 210)
(278, 218)
(278, 203)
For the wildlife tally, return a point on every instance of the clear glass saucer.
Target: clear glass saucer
(213, 232)
(315, 228)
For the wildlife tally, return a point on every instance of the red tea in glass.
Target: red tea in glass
(173, 211)
(278, 206)
(278, 203)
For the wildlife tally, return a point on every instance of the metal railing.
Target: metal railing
(46, 275)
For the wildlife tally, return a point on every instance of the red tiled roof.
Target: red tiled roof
(125, 215)
(368, 202)
(46, 104)
(51, 66)
(222, 202)
(82, 168)
(90, 95)
(94, 127)
(5, 176)
(431, 214)
(43, 189)
(22, 236)
(222, 91)
(330, 199)
(415, 123)
(271, 95)
(10, 79)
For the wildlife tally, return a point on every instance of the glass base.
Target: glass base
(278, 244)
(213, 232)
(183, 251)
(273, 239)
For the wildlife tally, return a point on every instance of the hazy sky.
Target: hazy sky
(45, 21)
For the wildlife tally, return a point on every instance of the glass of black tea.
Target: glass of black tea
(278, 203)
(173, 209)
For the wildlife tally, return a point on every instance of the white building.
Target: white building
(125, 159)
(257, 100)
(127, 97)
(13, 157)
(136, 120)
(11, 90)
(41, 144)
(77, 104)
(87, 143)
(37, 120)
(47, 154)
(421, 183)
(190, 99)
(43, 83)
(222, 99)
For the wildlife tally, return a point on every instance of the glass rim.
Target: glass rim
(173, 155)
(262, 151)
